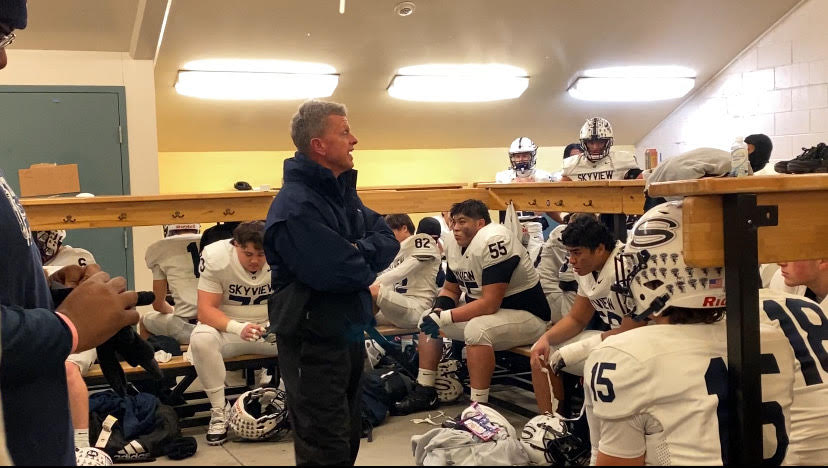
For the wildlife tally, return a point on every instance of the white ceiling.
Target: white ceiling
(552, 39)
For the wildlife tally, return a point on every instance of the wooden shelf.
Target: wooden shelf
(802, 202)
(150, 210)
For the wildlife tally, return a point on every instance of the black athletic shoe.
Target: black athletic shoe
(419, 399)
(801, 162)
(817, 161)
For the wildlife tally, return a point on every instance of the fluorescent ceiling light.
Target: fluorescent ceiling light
(638, 83)
(256, 80)
(458, 83)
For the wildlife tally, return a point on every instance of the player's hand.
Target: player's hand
(73, 275)
(434, 319)
(252, 332)
(540, 353)
(98, 307)
(374, 289)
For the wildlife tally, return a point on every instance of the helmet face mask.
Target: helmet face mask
(522, 156)
(596, 129)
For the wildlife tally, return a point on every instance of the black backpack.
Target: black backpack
(381, 388)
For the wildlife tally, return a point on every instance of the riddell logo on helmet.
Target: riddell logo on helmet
(713, 301)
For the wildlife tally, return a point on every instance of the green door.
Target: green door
(72, 125)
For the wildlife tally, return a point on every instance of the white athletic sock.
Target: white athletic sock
(426, 377)
(82, 438)
(480, 396)
(216, 397)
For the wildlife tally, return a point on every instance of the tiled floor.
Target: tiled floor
(391, 445)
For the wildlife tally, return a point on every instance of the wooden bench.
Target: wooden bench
(390, 330)
(525, 351)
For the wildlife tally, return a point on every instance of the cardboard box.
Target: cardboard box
(48, 179)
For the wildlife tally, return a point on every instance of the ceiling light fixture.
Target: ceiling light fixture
(229, 79)
(458, 83)
(635, 83)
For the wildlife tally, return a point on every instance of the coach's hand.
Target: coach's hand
(98, 307)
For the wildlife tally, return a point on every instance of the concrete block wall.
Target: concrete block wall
(778, 86)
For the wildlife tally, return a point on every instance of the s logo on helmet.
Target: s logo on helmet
(653, 232)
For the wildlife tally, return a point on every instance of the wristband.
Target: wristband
(236, 327)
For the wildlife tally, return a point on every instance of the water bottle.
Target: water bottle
(739, 162)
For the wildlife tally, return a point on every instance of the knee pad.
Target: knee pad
(476, 334)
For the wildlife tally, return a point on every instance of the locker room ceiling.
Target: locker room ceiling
(551, 39)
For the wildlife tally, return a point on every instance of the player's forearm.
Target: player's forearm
(212, 316)
(161, 305)
(563, 330)
(474, 309)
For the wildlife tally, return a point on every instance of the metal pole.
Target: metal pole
(742, 217)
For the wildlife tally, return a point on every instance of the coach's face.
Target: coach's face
(465, 228)
(336, 144)
(251, 258)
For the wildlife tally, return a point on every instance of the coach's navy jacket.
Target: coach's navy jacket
(320, 235)
(35, 345)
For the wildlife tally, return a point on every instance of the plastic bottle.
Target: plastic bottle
(739, 162)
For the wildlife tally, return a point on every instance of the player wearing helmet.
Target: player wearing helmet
(680, 360)
(599, 161)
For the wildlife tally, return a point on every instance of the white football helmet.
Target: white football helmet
(548, 440)
(259, 414)
(596, 128)
(173, 229)
(447, 383)
(49, 242)
(651, 274)
(374, 352)
(523, 145)
(91, 456)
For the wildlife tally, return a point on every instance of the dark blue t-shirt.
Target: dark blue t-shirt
(35, 344)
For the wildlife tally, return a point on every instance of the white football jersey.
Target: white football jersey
(669, 383)
(493, 256)
(611, 167)
(68, 255)
(597, 290)
(244, 294)
(805, 326)
(509, 176)
(175, 259)
(423, 281)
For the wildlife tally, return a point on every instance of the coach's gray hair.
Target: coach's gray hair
(310, 120)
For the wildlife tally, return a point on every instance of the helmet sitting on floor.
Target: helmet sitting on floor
(259, 414)
(91, 456)
(548, 440)
(651, 275)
